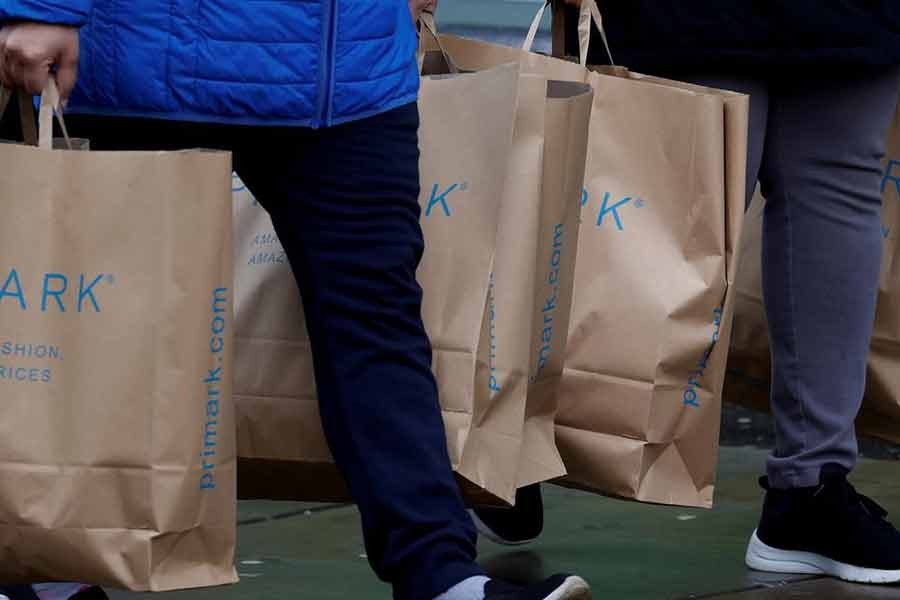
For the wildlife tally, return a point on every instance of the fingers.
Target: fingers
(32, 77)
(23, 71)
(30, 53)
(20, 68)
(6, 79)
(418, 7)
(13, 74)
(66, 78)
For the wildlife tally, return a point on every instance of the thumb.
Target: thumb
(66, 76)
(67, 73)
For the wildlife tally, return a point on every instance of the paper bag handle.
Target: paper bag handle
(591, 12)
(528, 44)
(41, 133)
(426, 21)
(51, 106)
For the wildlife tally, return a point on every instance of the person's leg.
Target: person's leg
(344, 202)
(822, 248)
(345, 205)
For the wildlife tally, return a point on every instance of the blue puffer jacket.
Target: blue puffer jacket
(276, 62)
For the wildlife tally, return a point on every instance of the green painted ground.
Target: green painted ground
(627, 551)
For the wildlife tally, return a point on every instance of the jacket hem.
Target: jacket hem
(401, 101)
(239, 121)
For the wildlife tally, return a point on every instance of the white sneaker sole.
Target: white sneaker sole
(573, 588)
(761, 557)
(486, 532)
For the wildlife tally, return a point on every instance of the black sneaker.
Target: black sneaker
(826, 530)
(515, 526)
(17, 592)
(558, 587)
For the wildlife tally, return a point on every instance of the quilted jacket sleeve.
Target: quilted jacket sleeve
(61, 12)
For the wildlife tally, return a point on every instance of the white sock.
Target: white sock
(57, 591)
(469, 589)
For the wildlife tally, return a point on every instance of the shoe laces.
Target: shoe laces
(874, 509)
(868, 506)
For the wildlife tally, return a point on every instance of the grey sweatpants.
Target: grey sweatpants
(816, 142)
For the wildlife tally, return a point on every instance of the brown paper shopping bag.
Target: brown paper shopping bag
(537, 242)
(465, 137)
(641, 397)
(117, 441)
(881, 414)
(567, 118)
(555, 139)
(750, 363)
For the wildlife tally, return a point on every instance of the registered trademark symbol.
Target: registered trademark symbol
(464, 186)
(639, 203)
(110, 279)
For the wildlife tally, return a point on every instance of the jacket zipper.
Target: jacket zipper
(326, 62)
